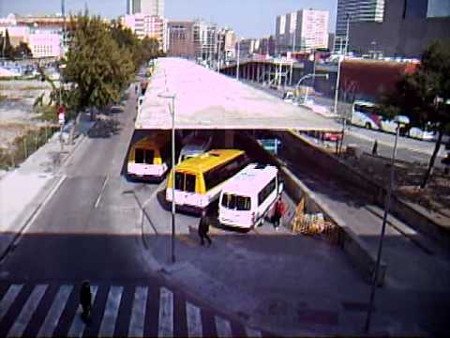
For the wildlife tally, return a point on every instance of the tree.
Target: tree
(6, 47)
(22, 51)
(424, 95)
(96, 66)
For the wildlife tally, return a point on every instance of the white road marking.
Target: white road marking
(223, 327)
(8, 299)
(78, 325)
(137, 320)
(27, 311)
(111, 311)
(49, 196)
(52, 318)
(165, 327)
(97, 202)
(252, 332)
(194, 320)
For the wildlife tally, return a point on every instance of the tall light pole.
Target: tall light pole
(387, 205)
(172, 96)
(307, 76)
(347, 32)
(237, 59)
(336, 98)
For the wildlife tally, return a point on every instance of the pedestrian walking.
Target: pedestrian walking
(135, 89)
(86, 300)
(280, 208)
(203, 229)
(375, 148)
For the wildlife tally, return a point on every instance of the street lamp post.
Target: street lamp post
(307, 76)
(336, 98)
(237, 60)
(347, 33)
(170, 96)
(383, 228)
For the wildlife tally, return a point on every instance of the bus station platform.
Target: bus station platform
(205, 99)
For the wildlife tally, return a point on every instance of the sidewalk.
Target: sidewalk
(24, 190)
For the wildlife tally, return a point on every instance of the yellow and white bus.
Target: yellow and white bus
(248, 196)
(198, 180)
(149, 157)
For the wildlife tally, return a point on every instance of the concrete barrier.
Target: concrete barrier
(361, 257)
(419, 220)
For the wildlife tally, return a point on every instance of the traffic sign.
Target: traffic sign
(61, 109)
(61, 118)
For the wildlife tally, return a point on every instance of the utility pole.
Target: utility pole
(347, 33)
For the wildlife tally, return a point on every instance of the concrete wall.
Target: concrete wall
(418, 219)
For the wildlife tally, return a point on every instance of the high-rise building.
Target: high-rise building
(407, 28)
(227, 44)
(355, 11)
(144, 25)
(205, 41)
(305, 29)
(149, 7)
(181, 39)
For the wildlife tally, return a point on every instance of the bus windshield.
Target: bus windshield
(236, 202)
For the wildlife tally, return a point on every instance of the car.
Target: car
(332, 136)
(421, 134)
(390, 126)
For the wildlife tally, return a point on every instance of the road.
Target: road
(409, 150)
(90, 228)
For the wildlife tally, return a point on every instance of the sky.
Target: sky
(249, 18)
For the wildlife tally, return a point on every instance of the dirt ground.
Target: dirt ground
(16, 107)
(407, 179)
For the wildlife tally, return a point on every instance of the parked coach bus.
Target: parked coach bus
(149, 157)
(199, 180)
(246, 198)
(365, 114)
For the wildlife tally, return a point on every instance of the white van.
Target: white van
(195, 146)
(249, 195)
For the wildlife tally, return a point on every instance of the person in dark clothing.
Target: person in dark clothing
(203, 229)
(86, 300)
(278, 213)
(375, 148)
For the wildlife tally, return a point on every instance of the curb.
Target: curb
(25, 216)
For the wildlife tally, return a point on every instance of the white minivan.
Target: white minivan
(247, 197)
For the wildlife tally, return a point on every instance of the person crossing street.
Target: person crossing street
(203, 229)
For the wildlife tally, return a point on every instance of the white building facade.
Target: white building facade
(152, 26)
(302, 30)
(45, 43)
(150, 7)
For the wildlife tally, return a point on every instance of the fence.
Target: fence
(25, 144)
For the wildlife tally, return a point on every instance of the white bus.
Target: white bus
(248, 196)
(365, 114)
(148, 159)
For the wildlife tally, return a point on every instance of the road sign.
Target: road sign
(61, 118)
(61, 109)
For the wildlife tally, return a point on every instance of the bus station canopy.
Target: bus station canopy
(205, 99)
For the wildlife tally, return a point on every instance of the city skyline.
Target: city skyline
(233, 13)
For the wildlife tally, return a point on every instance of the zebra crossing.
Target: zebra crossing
(46, 310)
